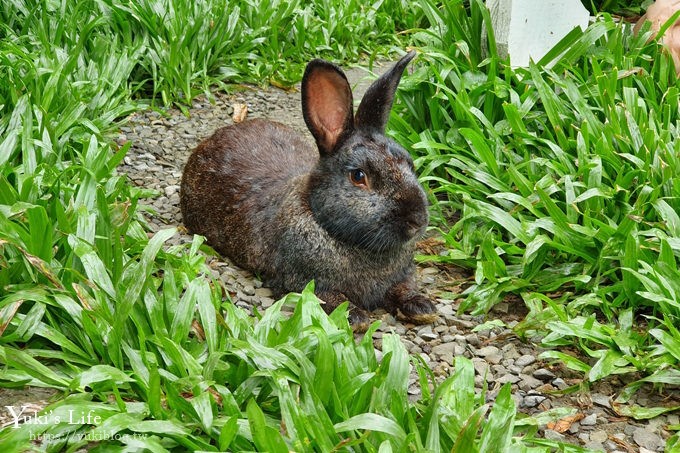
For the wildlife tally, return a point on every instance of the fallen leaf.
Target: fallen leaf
(240, 112)
(563, 424)
(198, 330)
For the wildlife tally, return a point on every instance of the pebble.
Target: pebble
(554, 435)
(510, 352)
(533, 400)
(589, 420)
(527, 382)
(427, 334)
(594, 445)
(511, 378)
(481, 367)
(263, 292)
(599, 436)
(647, 439)
(266, 302)
(525, 360)
(544, 374)
(601, 400)
(445, 352)
(560, 383)
(473, 339)
(487, 351)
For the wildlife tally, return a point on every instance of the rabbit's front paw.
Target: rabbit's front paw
(358, 319)
(417, 309)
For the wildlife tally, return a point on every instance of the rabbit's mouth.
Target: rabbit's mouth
(412, 229)
(413, 220)
(415, 229)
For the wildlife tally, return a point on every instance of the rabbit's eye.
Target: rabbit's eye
(358, 177)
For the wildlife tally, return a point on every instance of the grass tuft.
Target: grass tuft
(565, 179)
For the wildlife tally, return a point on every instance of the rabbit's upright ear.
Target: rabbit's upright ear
(326, 103)
(374, 109)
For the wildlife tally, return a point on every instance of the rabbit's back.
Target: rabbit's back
(235, 180)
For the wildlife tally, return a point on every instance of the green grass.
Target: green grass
(566, 181)
(298, 383)
(190, 47)
(624, 8)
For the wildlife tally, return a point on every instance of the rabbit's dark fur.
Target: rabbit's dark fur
(346, 215)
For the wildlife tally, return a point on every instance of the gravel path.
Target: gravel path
(161, 145)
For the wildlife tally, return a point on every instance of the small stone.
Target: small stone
(266, 302)
(442, 329)
(487, 351)
(481, 367)
(408, 344)
(601, 400)
(525, 360)
(427, 334)
(613, 447)
(445, 352)
(511, 378)
(594, 445)
(515, 369)
(495, 358)
(473, 339)
(554, 435)
(589, 420)
(560, 383)
(533, 400)
(544, 374)
(599, 436)
(629, 429)
(444, 307)
(574, 428)
(510, 351)
(647, 439)
(414, 390)
(527, 382)
(459, 349)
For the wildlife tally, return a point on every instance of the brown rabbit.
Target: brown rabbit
(346, 215)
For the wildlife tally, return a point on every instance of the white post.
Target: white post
(528, 29)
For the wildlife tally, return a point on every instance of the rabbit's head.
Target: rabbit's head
(364, 190)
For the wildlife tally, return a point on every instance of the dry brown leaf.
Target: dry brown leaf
(240, 112)
(563, 424)
(198, 330)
